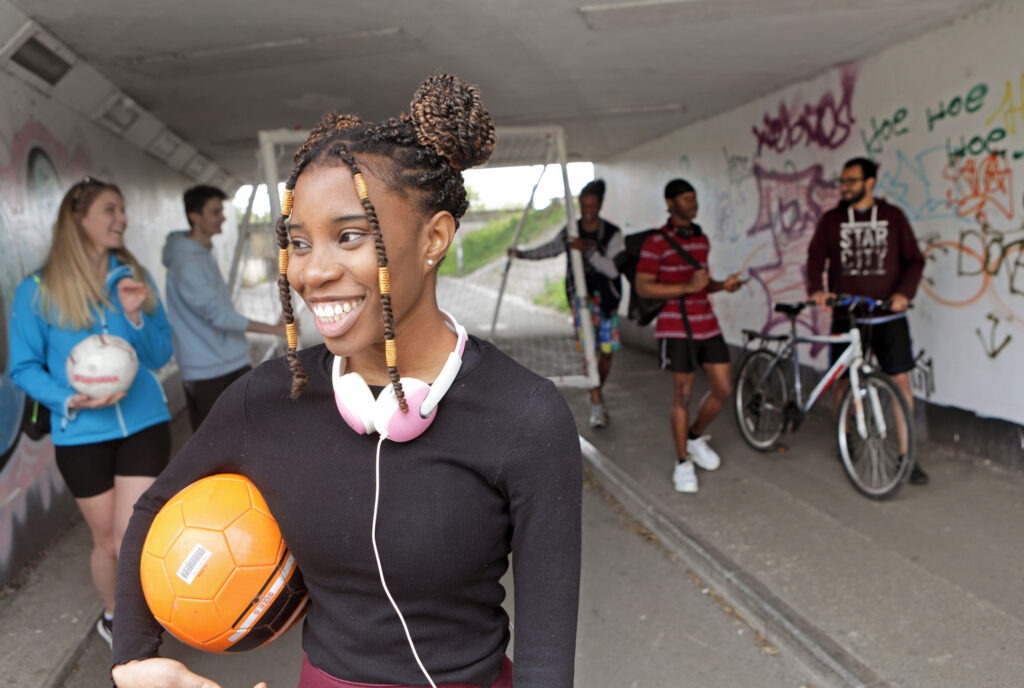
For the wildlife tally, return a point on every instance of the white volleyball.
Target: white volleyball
(102, 364)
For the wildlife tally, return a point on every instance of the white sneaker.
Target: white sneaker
(105, 629)
(598, 416)
(684, 477)
(702, 454)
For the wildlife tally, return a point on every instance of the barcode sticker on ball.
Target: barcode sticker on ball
(193, 563)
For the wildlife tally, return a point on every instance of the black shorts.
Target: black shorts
(201, 395)
(888, 341)
(675, 353)
(89, 469)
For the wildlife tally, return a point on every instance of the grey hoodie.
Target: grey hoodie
(208, 333)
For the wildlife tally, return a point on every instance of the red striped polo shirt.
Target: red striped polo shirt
(659, 258)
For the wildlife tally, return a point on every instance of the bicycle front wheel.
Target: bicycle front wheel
(760, 398)
(878, 462)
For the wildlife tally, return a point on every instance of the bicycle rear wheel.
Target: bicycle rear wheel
(760, 399)
(876, 465)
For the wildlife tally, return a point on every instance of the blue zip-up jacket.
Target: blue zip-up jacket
(209, 334)
(40, 348)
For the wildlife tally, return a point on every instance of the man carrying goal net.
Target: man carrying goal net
(599, 241)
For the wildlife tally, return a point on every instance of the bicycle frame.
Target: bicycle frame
(852, 359)
(874, 425)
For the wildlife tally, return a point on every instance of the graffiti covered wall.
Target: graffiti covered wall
(44, 148)
(943, 115)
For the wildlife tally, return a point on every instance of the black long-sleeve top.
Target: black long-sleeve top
(498, 473)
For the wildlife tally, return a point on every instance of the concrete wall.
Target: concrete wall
(44, 148)
(944, 117)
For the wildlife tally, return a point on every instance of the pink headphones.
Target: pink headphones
(382, 415)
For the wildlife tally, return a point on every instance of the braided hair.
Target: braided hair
(447, 130)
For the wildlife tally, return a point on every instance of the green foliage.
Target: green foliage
(491, 241)
(256, 219)
(553, 296)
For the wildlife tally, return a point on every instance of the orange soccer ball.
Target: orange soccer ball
(216, 572)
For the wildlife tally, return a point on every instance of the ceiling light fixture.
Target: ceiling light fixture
(623, 111)
(119, 112)
(164, 145)
(644, 14)
(37, 58)
(372, 35)
(633, 5)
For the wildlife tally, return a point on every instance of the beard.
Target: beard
(853, 198)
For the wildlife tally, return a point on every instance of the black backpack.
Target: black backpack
(642, 310)
(35, 422)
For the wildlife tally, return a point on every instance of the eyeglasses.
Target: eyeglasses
(849, 180)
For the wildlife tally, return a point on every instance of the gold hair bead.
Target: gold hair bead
(390, 353)
(293, 336)
(384, 280)
(360, 186)
(282, 260)
(286, 203)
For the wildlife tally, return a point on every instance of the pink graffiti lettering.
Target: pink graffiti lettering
(789, 207)
(827, 123)
(29, 483)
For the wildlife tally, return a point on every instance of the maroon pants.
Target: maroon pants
(311, 677)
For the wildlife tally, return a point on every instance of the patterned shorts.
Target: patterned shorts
(606, 330)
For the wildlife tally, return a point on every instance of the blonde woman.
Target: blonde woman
(108, 449)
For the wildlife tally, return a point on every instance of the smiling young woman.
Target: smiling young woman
(108, 448)
(334, 268)
(404, 460)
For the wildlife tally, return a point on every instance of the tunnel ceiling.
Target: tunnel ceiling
(613, 74)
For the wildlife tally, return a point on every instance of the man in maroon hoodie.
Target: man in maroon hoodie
(867, 248)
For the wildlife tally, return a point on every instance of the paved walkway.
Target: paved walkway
(922, 590)
(777, 573)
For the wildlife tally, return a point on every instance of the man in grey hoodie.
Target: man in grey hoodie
(208, 333)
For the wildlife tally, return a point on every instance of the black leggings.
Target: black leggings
(201, 395)
(89, 469)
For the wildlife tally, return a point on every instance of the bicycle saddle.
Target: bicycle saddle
(789, 308)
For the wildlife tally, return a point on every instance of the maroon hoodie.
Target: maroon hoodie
(866, 253)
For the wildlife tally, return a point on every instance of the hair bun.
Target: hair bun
(449, 117)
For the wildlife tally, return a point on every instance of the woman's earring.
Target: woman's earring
(430, 261)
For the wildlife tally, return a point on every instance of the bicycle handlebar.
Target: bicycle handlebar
(848, 301)
(852, 301)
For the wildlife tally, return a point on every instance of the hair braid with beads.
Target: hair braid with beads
(382, 263)
(423, 156)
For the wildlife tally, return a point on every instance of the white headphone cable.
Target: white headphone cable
(380, 569)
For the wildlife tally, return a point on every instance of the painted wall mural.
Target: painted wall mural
(950, 146)
(31, 489)
(43, 150)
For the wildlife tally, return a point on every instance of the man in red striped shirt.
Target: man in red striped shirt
(688, 338)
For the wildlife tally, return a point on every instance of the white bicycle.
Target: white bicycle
(875, 428)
